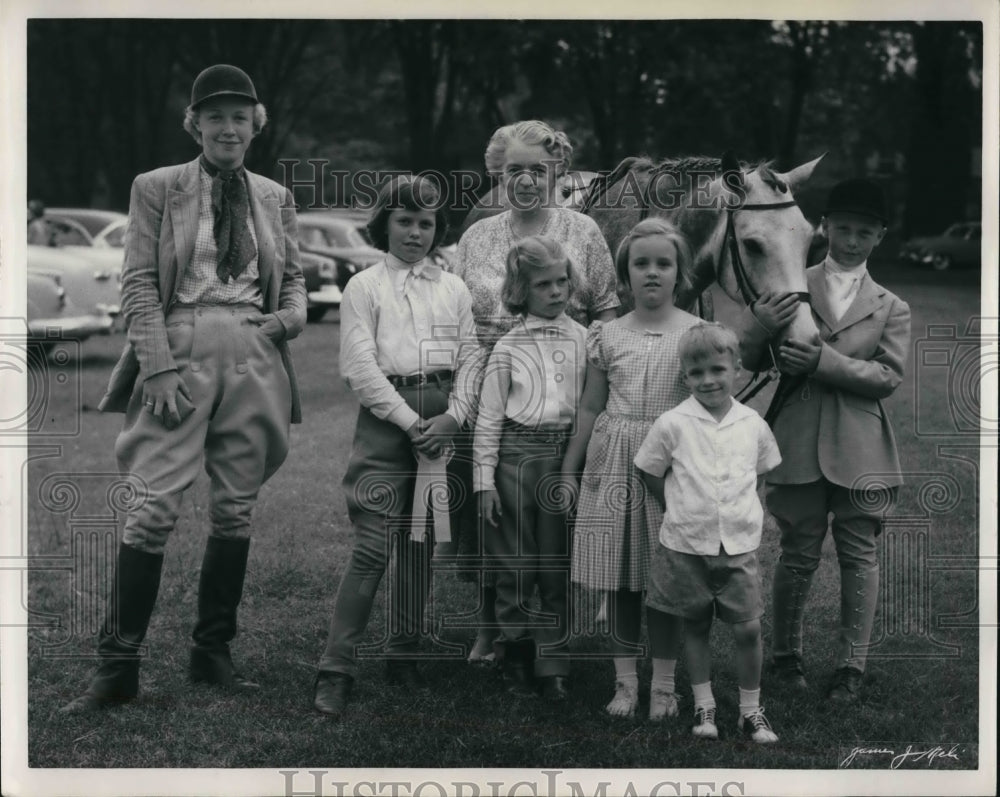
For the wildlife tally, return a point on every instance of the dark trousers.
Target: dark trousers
(531, 546)
(379, 490)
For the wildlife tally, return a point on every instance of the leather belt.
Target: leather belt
(415, 380)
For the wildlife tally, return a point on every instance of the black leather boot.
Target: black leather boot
(791, 587)
(130, 605)
(220, 588)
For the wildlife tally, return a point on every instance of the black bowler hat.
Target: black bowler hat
(860, 196)
(222, 79)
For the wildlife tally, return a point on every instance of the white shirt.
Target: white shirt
(398, 320)
(534, 378)
(711, 470)
(842, 284)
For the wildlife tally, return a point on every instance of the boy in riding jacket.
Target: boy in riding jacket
(835, 437)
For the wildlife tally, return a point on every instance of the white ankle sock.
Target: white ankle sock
(663, 675)
(749, 701)
(625, 671)
(703, 697)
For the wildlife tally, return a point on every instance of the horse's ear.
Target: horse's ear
(800, 174)
(732, 173)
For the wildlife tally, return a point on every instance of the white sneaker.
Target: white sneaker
(662, 704)
(755, 726)
(704, 723)
(625, 702)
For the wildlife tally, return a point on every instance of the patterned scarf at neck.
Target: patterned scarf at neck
(230, 205)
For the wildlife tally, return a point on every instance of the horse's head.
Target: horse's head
(767, 238)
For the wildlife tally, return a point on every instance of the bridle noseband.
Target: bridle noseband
(747, 290)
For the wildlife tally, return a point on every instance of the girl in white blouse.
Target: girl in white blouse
(527, 409)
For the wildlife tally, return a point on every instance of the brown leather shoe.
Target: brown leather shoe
(331, 692)
(88, 702)
(787, 671)
(845, 687)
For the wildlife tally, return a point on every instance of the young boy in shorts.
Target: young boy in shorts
(701, 460)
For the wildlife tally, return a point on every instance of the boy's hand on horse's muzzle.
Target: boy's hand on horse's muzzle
(775, 311)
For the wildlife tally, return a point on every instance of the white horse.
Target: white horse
(746, 230)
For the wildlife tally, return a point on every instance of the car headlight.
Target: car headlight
(327, 270)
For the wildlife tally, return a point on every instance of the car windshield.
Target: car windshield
(68, 233)
(116, 237)
(93, 221)
(343, 235)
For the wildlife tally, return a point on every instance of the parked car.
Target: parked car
(101, 228)
(338, 234)
(956, 247)
(322, 290)
(94, 291)
(52, 317)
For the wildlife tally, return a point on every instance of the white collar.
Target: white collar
(537, 322)
(832, 267)
(424, 267)
(694, 408)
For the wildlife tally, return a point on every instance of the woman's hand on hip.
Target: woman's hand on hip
(269, 325)
(159, 397)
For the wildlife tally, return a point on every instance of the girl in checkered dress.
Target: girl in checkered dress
(633, 376)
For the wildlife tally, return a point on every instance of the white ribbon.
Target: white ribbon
(431, 491)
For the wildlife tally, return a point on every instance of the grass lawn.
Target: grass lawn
(923, 675)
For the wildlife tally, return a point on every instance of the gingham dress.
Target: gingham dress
(616, 524)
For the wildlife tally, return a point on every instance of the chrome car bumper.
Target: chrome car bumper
(77, 327)
(328, 295)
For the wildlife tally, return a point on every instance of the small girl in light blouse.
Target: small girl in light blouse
(527, 410)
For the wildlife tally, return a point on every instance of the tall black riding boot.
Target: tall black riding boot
(130, 605)
(220, 589)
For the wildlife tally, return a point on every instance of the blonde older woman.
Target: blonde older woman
(528, 158)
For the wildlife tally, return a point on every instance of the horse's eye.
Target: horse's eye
(753, 247)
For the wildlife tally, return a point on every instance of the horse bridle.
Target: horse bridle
(749, 294)
(747, 290)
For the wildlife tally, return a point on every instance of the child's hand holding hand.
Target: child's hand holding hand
(775, 311)
(800, 357)
(416, 435)
(489, 506)
(434, 434)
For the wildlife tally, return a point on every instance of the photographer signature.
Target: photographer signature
(909, 754)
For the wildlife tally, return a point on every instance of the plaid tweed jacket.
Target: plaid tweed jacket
(159, 242)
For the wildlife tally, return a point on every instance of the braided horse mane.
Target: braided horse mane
(620, 199)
